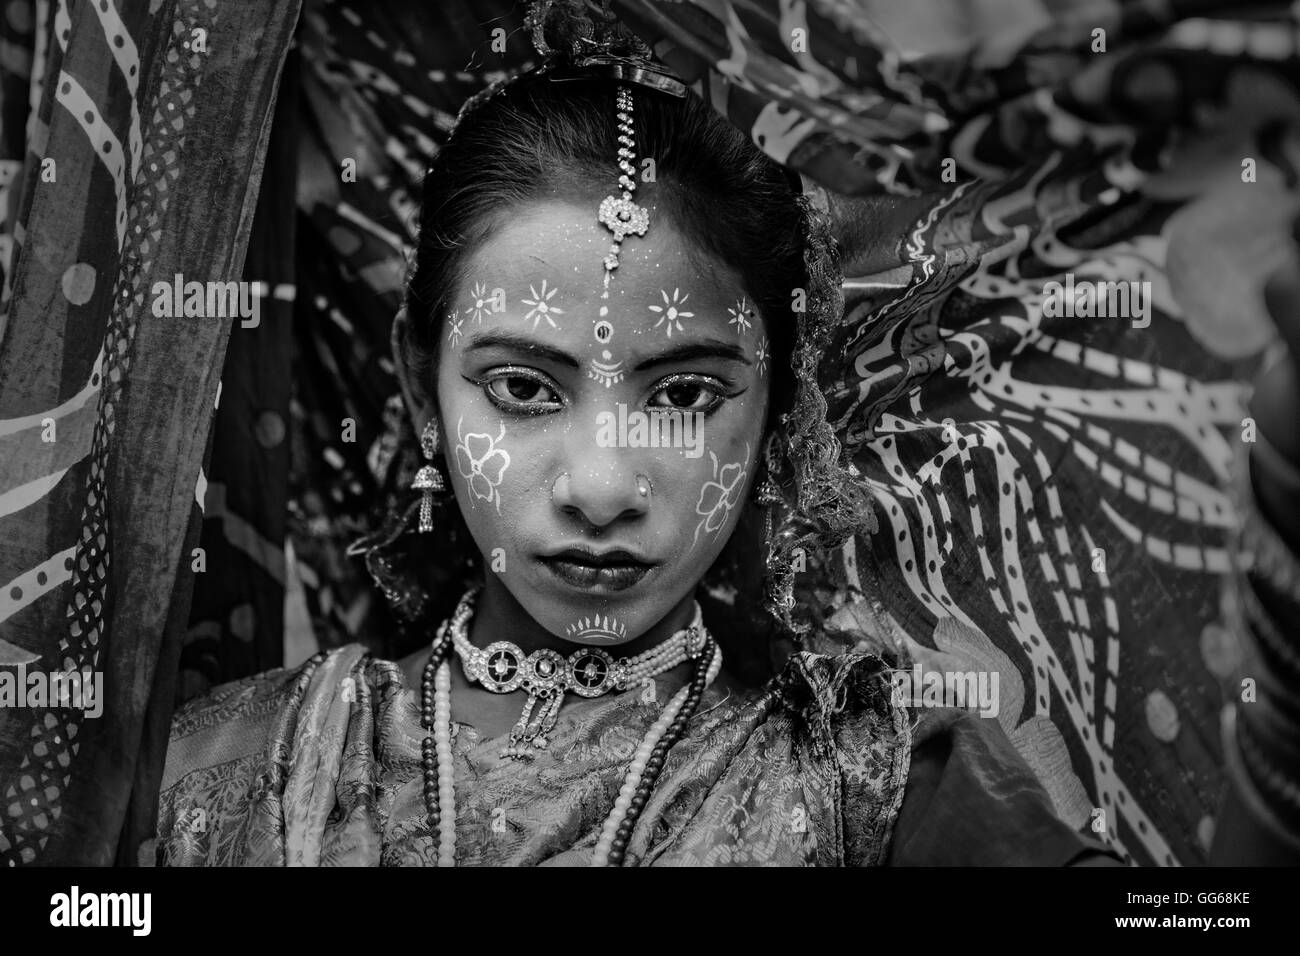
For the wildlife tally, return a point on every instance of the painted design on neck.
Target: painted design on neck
(670, 313)
(606, 373)
(720, 495)
(482, 463)
(606, 628)
(541, 306)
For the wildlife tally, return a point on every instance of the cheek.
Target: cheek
(709, 496)
(482, 461)
(495, 469)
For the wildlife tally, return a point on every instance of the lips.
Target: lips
(614, 570)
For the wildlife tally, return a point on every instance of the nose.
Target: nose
(601, 486)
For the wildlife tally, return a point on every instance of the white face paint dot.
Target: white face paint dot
(604, 310)
(606, 355)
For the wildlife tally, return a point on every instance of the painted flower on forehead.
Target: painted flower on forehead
(741, 316)
(541, 307)
(454, 322)
(720, 495)
(761, 356)
(670, 312)
(482, 463)
(482, 302)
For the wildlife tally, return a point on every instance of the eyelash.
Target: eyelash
(515, 407)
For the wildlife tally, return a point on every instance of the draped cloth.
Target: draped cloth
(134, 135)
(320, 766)
(1050, 486)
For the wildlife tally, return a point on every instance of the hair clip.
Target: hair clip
(624, 69)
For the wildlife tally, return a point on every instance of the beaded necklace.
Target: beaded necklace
(647, 762)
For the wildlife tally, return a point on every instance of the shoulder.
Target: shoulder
(805, 768)
(234, 709)
(231, 750)
(822, 697)
(832, 695)
(845, 712)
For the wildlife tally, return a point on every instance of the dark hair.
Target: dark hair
(537, 139)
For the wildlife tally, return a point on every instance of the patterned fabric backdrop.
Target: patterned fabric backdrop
(133, 136)
(1049, 487)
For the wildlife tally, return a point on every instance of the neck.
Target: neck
(498, 616)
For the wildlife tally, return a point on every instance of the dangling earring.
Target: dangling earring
(780, 572)
(428, 480)
(767, 494)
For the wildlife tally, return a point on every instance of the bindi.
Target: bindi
(607, 373)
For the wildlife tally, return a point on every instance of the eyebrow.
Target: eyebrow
(708, 348)
(513, 340)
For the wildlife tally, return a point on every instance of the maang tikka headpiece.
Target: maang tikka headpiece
(586, 49)
(623, 57)
(620, 215)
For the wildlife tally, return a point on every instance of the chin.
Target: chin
(595, 615)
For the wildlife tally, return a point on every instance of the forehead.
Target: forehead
(563, 245)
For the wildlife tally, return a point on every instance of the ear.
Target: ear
(419, 403)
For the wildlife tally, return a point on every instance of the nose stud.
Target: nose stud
(562, 477)
(643, 486)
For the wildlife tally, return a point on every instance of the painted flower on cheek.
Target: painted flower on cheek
(720, 495)
(482, 463)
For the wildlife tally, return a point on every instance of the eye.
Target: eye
(687, 394)
(520, 390)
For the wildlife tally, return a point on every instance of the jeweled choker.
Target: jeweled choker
(546, 675)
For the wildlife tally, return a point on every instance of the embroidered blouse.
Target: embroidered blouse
(320, 765)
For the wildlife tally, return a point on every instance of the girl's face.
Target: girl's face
(601, 450)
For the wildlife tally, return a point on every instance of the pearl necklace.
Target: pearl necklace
(647, 762)
(546, 675)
